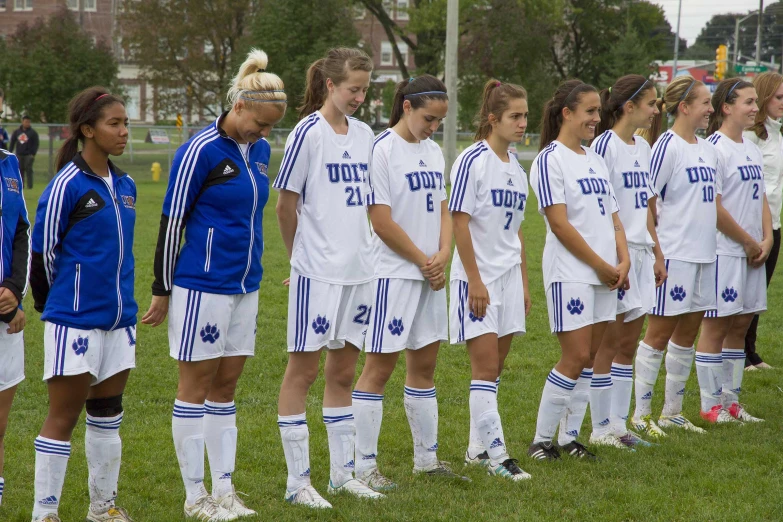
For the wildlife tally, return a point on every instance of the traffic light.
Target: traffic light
(721, 61)
(179, 121)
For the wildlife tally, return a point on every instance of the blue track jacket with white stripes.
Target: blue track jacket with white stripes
(14, 231)
(218, 196)
(82, 264)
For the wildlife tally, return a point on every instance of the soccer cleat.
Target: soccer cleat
(508, 469)
(113, 514)
(634, 439)
(479, 460)
(717, 415)
(647, 425)
(543, 451)
(49, 517)
(307, 496)
(440, 469)
(678, 421)
(610, 439)
(377, 482)
(206, 509)
(231, 502)
(354, 487)
(738, 412)
(578, 450)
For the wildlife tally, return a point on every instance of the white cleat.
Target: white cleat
(678, 421)
(738, 412)
(377, 482)
(231, 502)
(206, 509)
(113, 514)
(480, 459)
(354, 487)
(307, 496)
(647, 425)
(609, 439)
(49, 517)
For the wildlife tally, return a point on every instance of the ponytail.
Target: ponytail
(495, 100)
(418, 91)
(336, 65)
(67, 151)
(315, 89)
(568, 95)
(253, 84)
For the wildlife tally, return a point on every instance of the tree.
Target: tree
(45, 64)
(189, 50)
(277, 29)
(393, 32)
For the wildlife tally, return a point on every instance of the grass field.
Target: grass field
(732, 473)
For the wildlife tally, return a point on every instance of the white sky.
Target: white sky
(696, 13)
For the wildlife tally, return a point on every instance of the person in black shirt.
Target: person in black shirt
(25, 140)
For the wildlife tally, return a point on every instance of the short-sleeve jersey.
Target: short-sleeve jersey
(408, 177)
(329, 172)
(581, 183)
(629, 172)
(494, 193)
(683, 176)
(740, 183)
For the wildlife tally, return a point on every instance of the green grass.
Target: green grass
(732, 473)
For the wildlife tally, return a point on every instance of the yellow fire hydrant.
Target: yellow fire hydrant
(155, 171)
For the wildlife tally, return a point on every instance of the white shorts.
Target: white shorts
(690, 287)
(505, 314)
(101, 353)
(575, 305)
(323, 314)
(11, 358)
(640, 297)
(406, 313)
(208, 326)
(740, 288)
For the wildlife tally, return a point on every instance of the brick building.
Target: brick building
(375, 41)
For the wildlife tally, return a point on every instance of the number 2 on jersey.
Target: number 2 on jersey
(354, 196)
(755, 191)
(363, 317)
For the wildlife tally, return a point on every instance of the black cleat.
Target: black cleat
(543, 451)
(577, 449)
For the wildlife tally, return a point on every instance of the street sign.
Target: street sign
(157, 136)
(750, 68)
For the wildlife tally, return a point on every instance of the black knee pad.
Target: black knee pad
(105, 406)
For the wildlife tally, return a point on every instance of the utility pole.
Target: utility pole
(677, 42)
(737, 23)
(450, 125)
(758, 32)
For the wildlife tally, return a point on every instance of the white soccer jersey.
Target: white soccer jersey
(581, 182)
(329, 172)
(683, 176)
(740, 182)
(629, 172)
(408, 177)
(494, 193)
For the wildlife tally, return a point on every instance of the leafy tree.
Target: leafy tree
(394, 32)
(628, 56)
(46, 63)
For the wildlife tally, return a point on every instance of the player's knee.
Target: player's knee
(340, 377)
(104, 406)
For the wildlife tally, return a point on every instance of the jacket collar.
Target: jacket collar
(773, 124)
(3, 155)
(78, 160)
(218, 127)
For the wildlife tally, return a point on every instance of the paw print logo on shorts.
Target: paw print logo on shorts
(475, 318)
(210, 333)
(678, 293)
(575, 306)
(620, 294)
(729, 295)
(320, 325)
(80, 345)
(395, 326)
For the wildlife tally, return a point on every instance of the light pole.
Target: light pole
(450, 125)
(758, 32)
(677, 41)
(736, 35)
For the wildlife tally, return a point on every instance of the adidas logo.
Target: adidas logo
(228, 170)
(681, 392)
(371, 456)
(701, 160)
(635, 163)
(748, 158)
(496, 443)
(591, 170)
(572, 433)
(718, 392)
(48, 501)
(91, 204)
(346, 155)
(349, 465)
(510, 183)
(225, 476)
(305, 473)
(647, 396)
(434, 447)
(422, 164)
(604, 422)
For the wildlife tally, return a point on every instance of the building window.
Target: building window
(386, 54)
(389, 8)
(72, 5)
(90, 5)
(402, 9)
(404, 52)
(23, 5)
(2, 5)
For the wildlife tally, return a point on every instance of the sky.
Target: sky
(696, 13)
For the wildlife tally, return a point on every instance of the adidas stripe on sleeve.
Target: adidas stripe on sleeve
(296, 157)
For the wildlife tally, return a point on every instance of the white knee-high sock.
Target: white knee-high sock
(103, 448)
(368, 414)
(648, 365)
(187, 428)
(622, 387)
(51, 460)
(421, 408)
(601, 403)
(571, 423)
(475, 446)
(296, 446)
(678, 368)
(554, 402)
(2, 487)
(709, 370)
(484, 409)
(341, 433)
(733, 366)
(220, 437)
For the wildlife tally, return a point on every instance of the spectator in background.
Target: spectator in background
(3, 133)
(25, 139)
